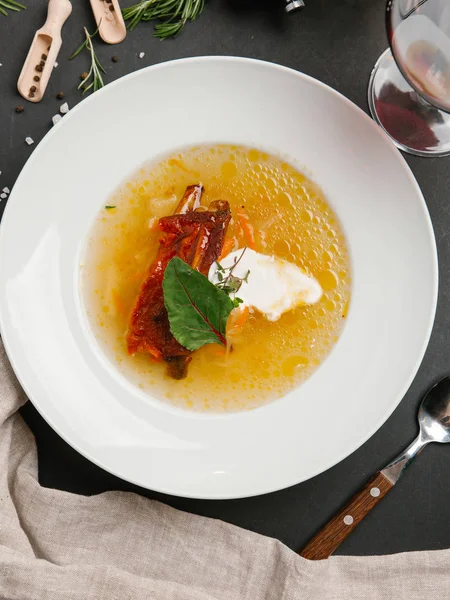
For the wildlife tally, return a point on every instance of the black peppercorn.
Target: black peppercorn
(39, 68)
(60, 95)
(36, 78)
(19, 109)
(33, 88)
(84, 75)
(115, 58)
(44, 57)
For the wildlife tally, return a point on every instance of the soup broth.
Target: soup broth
(289, 218)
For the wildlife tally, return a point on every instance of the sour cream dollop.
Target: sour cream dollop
(273, 287)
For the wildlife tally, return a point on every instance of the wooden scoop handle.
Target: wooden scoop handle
(58, 13)
(324, 543)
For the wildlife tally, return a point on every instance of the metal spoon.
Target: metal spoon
(434, 423)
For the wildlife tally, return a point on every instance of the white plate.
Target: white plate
(206, 100)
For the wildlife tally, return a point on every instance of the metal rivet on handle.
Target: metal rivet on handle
(348, 519)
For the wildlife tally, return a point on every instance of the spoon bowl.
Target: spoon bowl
(434, 413)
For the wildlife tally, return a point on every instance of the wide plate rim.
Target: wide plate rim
(262, 489)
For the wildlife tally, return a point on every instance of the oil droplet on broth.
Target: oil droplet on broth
(229, 169)
(284, 200)
(291, 220)
(307, 216)
(282, 249)
(291, 364)
(254, 155)
(328, 279)
(329, 305)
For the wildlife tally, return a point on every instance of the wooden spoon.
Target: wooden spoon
(109, 19)
(38, 65)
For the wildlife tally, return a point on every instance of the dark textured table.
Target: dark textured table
(338, 43)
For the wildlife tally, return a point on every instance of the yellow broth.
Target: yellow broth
(290, 218)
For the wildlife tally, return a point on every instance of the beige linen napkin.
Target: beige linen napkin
(119, 546)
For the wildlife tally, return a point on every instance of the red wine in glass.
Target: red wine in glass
(409, 90)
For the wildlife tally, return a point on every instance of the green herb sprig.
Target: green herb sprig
(228, 281)
(96, 70)
(172, 14)
(10, 5)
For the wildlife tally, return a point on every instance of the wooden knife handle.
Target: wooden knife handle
(324, 543)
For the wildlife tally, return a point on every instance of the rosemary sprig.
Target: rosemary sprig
(173, 14)
(137, 12)
(10, 5)
(95, 72)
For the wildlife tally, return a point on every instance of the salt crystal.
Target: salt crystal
(1, 65)
(6, 190)
(141, 55)
(55, 65)
(29, 141)
(64, 108)
(3, 196)
(56, 118)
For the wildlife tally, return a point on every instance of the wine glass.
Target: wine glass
(409, 88)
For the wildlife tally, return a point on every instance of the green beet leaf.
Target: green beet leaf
(198, 311)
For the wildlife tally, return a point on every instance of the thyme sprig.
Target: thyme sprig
(228, 281)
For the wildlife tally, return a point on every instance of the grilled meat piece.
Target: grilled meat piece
(196, 236)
